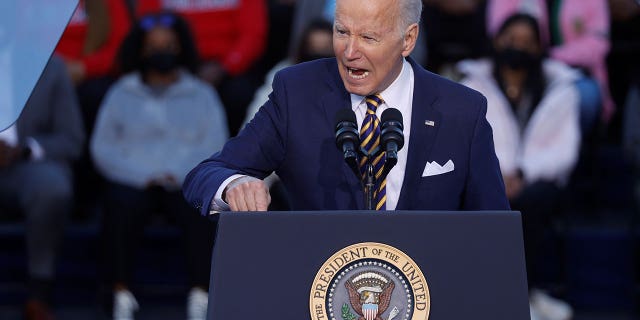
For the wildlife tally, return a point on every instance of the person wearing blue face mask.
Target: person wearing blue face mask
(533, 108)
(155, 123)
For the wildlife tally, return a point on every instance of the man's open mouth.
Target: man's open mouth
(357, 74)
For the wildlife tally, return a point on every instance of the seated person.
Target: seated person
(533, 108)
(36, 154)
(577, 33)
(155, 123)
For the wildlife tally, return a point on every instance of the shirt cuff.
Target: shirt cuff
(37, 152)
(218, 204)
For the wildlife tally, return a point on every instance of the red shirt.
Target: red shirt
(100, 62)
(231, 32)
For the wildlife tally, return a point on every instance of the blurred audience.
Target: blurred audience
(280, 17)
(88, 47)
(623, 62)
(316, 43)
(631, 134)
(632, 126)
(36, 178)
(625, 72)
(455, 30)
(155, 124)
(306, 11)
(577, 32)
(533, 109)
(230, 37)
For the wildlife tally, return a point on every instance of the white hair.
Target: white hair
(410, 12)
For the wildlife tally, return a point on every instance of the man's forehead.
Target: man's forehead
(363, 21)
(362, 28)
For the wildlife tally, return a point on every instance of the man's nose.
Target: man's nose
(352, 51)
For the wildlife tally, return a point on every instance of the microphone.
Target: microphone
(391, 137)
(348, 138)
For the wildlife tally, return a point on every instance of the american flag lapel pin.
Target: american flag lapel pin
(429, 123)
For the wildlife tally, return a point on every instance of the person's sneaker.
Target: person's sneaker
(548, 307)
(124, 305)
(197, 304)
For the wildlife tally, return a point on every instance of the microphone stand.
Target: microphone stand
(369, 185)
(369, 179)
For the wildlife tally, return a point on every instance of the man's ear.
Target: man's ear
(410, 38)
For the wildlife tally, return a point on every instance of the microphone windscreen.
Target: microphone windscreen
(392, 114)
(345, 115)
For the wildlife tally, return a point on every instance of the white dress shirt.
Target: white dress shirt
(398, 95)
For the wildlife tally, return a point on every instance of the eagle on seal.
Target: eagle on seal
(369, 294)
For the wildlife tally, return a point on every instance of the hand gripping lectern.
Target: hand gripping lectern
(365, 265)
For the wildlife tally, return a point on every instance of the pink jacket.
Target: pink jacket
(584, 26)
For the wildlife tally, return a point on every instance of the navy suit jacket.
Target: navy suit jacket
(293, 134)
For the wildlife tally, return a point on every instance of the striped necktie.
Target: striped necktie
(369, 144)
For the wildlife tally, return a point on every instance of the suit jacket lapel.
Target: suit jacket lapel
(338, 98)
(422, 135)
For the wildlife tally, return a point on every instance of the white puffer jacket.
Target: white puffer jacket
(549, 145)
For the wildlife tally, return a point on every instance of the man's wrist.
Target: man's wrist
(218, 203)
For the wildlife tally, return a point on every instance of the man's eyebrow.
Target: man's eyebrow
(370, 33)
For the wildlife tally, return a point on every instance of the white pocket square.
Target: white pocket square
(434, 169)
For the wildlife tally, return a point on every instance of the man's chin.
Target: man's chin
(357, 90)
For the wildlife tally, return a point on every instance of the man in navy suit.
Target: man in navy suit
(448, 162)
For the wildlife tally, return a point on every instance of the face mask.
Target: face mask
(161, 62)
(516, 58)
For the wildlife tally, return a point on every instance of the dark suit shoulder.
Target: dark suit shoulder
(454, 98)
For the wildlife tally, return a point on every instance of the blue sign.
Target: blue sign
(29, 32)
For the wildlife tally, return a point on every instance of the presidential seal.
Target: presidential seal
(369, 281)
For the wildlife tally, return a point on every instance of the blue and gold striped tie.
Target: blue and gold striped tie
(370, 143)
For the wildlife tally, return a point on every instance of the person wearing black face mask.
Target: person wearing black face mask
(161, 61)
(520, 77)
(156, 122)
(517, 59)
(533, 108)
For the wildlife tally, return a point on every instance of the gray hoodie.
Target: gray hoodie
(141, 135)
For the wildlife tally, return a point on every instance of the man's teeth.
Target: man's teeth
(352, 73)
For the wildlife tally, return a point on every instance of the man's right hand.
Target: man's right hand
(247, 194)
